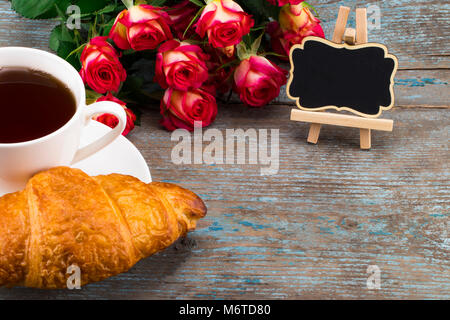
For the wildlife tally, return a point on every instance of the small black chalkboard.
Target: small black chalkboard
(357, 78)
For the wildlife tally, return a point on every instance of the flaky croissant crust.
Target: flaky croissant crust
(104, 225)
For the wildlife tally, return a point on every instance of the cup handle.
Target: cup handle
(100, 108)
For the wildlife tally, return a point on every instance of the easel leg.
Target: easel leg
(314, 133)
(365, 138)
(361, 26)
(341, 22)
(361, 37)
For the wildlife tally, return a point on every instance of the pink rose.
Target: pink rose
(258, 81)
(181, 15)
(180, 109)
(146, 27)
(296, 23)
(110, 120)
(181, 65)
(101, 68)
(224, 22)
(281, 3)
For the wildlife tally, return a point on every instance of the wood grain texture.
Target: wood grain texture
(311, 230)
(417, 32)
(341, 24)
(19, 31)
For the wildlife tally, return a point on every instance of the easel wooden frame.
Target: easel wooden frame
(365, 124)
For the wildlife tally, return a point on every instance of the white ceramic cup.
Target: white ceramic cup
(20, 161)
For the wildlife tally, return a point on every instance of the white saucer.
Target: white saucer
(119, 157)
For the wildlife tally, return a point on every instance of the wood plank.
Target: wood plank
(422, 87)
(19, 31)
(311, 230)
(416, 32)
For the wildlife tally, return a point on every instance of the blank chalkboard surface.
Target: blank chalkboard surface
(358, 78)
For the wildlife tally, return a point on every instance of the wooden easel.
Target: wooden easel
(317, 119)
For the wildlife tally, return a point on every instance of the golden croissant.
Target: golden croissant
(103, 225)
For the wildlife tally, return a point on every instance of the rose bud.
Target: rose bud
(111, 120)
(146, 26)
(224, 22)
(181, 15)
(118, 32)
(296, 23)
(281, 3)
(180, 109)
(101, 68)
(258, 81)
(181, 65)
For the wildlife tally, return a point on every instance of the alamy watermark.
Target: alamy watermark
(74, 279)
(74, 19)
(234, 146)
(373, 17)
(374, 280)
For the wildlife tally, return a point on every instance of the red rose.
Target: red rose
(281, 3)
(146, 27)
(296, 23)
(101, 68)
(224, 22)
(181, 15)
(181, 65)
(258, 81)
(110, 120)
(180, 109)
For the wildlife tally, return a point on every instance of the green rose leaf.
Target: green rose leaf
(199, 3)
(89, 6)
(35, 9)
(65, 49)
(58, 35)
(91, 96)
(107, 27)
(45, 9)
(63, 43)
(261, 9)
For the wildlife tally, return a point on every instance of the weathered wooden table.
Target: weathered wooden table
(312, 230)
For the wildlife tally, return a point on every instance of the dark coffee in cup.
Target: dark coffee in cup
(33, 104)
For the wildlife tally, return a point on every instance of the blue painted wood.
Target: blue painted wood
(416, 31)
(312, 230)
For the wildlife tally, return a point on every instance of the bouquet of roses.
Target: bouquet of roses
(185, 53)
